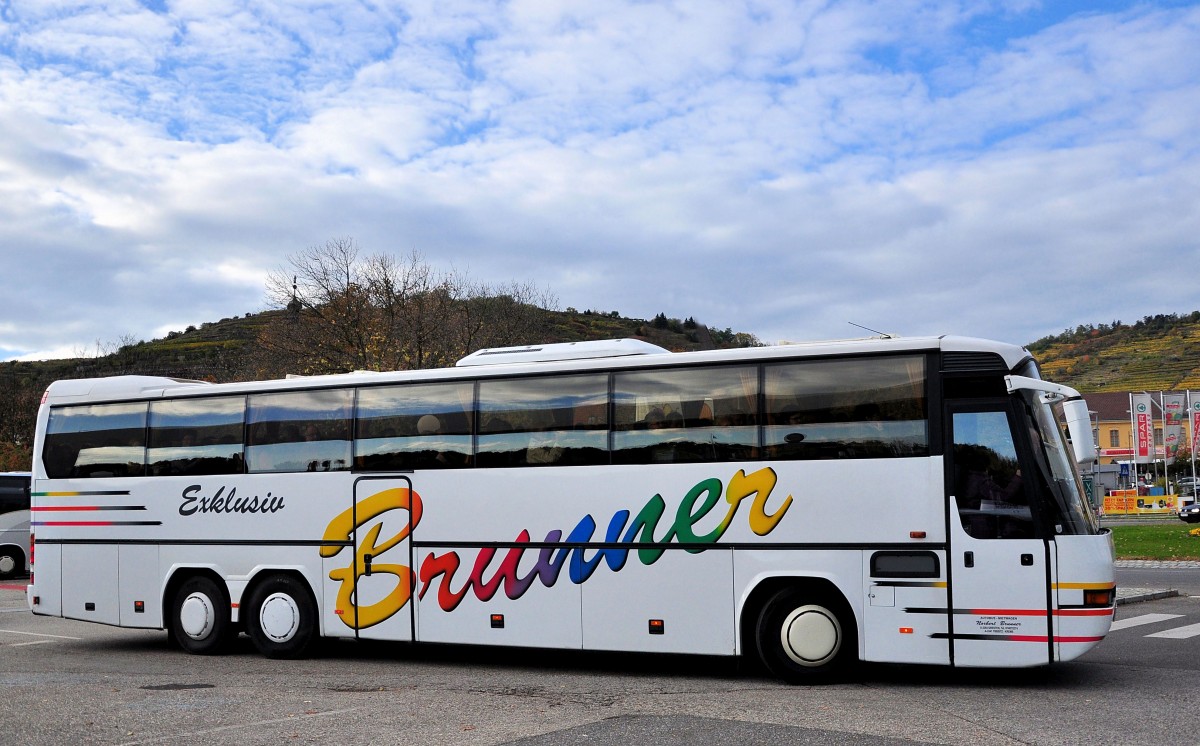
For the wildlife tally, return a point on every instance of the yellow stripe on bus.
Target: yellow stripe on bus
(1084, 586)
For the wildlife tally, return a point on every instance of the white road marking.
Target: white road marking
(224, 728)
(1179, 633)
(39, 634)
(1138, 621)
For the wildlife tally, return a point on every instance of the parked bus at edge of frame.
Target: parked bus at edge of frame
(14, 522)
(899, 500)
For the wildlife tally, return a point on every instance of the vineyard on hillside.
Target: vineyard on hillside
(1158, 353)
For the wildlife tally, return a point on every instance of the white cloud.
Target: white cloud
(780, 168)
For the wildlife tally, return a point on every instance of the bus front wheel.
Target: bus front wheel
(805, 637)
(282, 617)
(200, 617)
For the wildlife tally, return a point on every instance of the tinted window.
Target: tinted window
(905, 565)
(299, 431)
(542, 421)
(992, 502)
(14, 493)
(700, 414)
(854, 408)
(414, 427)
(98, 440)
(196, 436)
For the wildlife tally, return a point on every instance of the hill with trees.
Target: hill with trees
(1158, 353)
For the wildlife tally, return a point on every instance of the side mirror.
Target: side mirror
(1079, 427)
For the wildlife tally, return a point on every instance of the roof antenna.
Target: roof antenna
(882, 335)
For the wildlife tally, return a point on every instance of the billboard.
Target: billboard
(1173, 408)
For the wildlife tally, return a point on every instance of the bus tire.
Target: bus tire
(806, 637)
(11, 562)
(200, 616)
(282, 617)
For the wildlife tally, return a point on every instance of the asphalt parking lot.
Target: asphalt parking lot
(71, 682)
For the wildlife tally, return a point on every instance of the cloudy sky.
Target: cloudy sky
(998, 168)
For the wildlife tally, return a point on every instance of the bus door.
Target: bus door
(371, 580)
(1000, 564)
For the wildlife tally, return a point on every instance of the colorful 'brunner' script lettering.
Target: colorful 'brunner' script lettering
(554, 555)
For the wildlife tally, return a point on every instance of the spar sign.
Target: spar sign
(1143, 428)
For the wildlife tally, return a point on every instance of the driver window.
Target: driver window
(992, 502)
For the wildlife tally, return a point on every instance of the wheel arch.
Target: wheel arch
(263, 574)
(817, 586)
(180, 575)
(19, 554)
(236, 590)
(300, 603)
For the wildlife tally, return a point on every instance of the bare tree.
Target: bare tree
(342, 311)
(495, 316)
(104, 348)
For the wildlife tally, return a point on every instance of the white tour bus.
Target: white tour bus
(14, 522)
(900, 500)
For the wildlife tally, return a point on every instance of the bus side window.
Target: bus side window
(547, 420)
(191, 437)
(419, 426)
(14, 493)
(299, 431)
(688, 415)
(97, 440)
(871, 407)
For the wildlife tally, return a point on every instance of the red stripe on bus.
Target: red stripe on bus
(1006, 612)
(76, 523)
(1026, 638)
(1083, 612)
(1043, 638)
(1038, 612)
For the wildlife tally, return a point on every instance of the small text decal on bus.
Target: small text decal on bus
(219, 502)
(639, 532)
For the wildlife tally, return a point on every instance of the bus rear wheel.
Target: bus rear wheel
(200, 617)
(805, 637)
(11, 562)
(282, 617)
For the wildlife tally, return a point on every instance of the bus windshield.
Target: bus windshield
(1072, 512)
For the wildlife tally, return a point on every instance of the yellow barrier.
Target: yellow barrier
(1129, 502)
